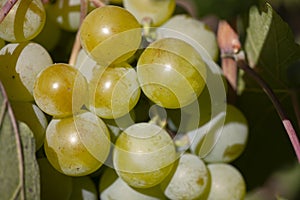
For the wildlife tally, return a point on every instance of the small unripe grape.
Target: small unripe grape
(157, 11)
(171, 73)
(23, 22)
(60, 90)
(190, 180)
(20, 63)
(36, 120)
(110, 34)
(226, 182)
(78, 145)
(144, 155)
(114, 91)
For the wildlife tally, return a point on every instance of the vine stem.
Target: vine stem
(6, 8)
(281, 112)
(229, 44)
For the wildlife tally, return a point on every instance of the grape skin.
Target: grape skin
(143, 155)
(108, 27)
(78, 145)
(171, 73)
(24, 21)
(114, 91)
(60, 90)
(20, 64)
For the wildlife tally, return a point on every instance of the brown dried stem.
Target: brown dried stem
(6, 8)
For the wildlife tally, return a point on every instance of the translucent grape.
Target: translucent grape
(77, 145)
(190, 180)
(157, 11)
(106, 28)
(226, 182)
(144, 155)
(54, 185)
(113, 187)
(60, 90)
(171, 73)
(233, 138)
(24, 21)
(20, 64)
(195, 29)
(36, 120)
(83, 188)
(85, 65)
(114, 91)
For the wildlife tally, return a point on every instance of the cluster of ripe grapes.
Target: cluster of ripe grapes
(143, 108)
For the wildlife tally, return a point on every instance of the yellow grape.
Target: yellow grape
(24, 21)
(20, 63)
(36, 120)
(78, 145)
(144, 154)
(114, 91)
(157, 10)
(110, 34)
(60, 90)
(171, 73)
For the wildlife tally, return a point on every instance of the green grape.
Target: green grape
(196, 30)
(36, 120)
(66, 13)
(50, 35)
(83, 188)
(54, 185)
(20, 64)
(190, 180)
(157, 11)
(114, 90)
(60, 90)
(77, 145)
(144, 155)
(233, 138)
(226, 182)
(106, 28)
(23, 22)
(171, 73)
(113, 187)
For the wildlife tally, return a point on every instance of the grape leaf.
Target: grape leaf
(270, 46)
(19, 174)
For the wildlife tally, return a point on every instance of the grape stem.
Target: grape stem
(77, 45)
(281, 112)
(6, 8)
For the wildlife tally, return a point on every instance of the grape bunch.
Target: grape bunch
(142, 114)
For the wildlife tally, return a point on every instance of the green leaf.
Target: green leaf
(19, 174)
(270, 46)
